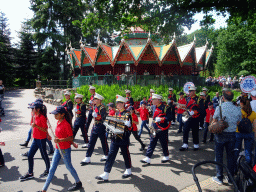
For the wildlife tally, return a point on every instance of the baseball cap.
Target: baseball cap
(39, 100)
(59, 109)
(35, 105)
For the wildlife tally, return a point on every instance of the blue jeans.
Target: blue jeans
(179, 119)
(206, 125)
(144, 124)
(29, 134)
(47, 141)
(225, 140)
(41, 145)
(55, 161)
(248, 145)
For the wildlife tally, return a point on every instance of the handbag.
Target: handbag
(218, 126)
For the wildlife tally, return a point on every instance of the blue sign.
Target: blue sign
(248, 84)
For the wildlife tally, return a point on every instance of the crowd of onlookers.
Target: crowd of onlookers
(224, 81)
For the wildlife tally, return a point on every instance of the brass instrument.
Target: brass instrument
(116, 125)
(153, 131)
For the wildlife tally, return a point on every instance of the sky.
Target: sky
(17, 11)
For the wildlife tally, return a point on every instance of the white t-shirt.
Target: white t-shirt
(253, 105)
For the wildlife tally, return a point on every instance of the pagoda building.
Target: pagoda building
(142, 50)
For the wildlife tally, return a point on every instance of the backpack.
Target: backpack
(245, 126)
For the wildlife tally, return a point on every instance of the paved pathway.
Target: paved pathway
(173, 176)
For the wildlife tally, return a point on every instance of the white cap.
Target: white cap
(192, 88)
(121, 99)
(170, 89)
(91, 87)
(127, 91)
(253, 93)
(98, 96)
(156, 96)
(202, 94)
(67, 93)
(205, 89)
(152, 91)
(79, 96)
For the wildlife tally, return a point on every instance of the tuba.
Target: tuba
(116, 126)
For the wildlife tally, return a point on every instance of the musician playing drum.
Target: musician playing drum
(98, 130)
(117, 142)
(161, 123)
(192, 122)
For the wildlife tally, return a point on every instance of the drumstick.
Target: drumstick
(55, 138)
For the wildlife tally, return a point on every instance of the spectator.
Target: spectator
(253, 106)
(247, 137)
(215, 100)
(227, 138)
(241, 78)
(1, 89)
(146, 72)
(1, 155)
(144, 115)
(118, 79)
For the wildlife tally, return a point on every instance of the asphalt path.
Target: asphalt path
(172, 176)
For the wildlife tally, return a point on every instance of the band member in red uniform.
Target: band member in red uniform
(192, 122)
(68, 104)
(202, 106)
(80, 110)
(129, 99)
(181, 110)
(207, 97)
(117, 142)
(171, 99)
(98, 130)
(161, 123)
(89, 119)
(135, 122)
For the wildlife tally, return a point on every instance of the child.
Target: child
(111, 111)
(181, 110)
(144, 115)
(64, 137)
(135, 122)
(143, 101)
(209, 114)
(40, 132)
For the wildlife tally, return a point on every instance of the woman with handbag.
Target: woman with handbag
(245, 130)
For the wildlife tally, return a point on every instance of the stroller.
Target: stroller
(1, 108)
(245, 181)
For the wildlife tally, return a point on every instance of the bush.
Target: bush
(138, 92)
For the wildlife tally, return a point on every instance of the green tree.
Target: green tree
(6, 52)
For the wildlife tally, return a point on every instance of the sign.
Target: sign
(75, 82)
(248, 84)
(187, 86)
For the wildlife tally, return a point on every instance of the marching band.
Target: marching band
(119, 123)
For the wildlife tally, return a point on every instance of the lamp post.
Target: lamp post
(127, 71)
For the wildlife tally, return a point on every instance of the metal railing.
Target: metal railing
(144, 80)
(56, 84)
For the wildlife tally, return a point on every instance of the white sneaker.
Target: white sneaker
(200, 128)
(185, 145)
(165, 159)
(104, 176)
(104, 158)
(86, 161)
(196, 146)
(127, 173)
(85, 145)
(146, 160)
